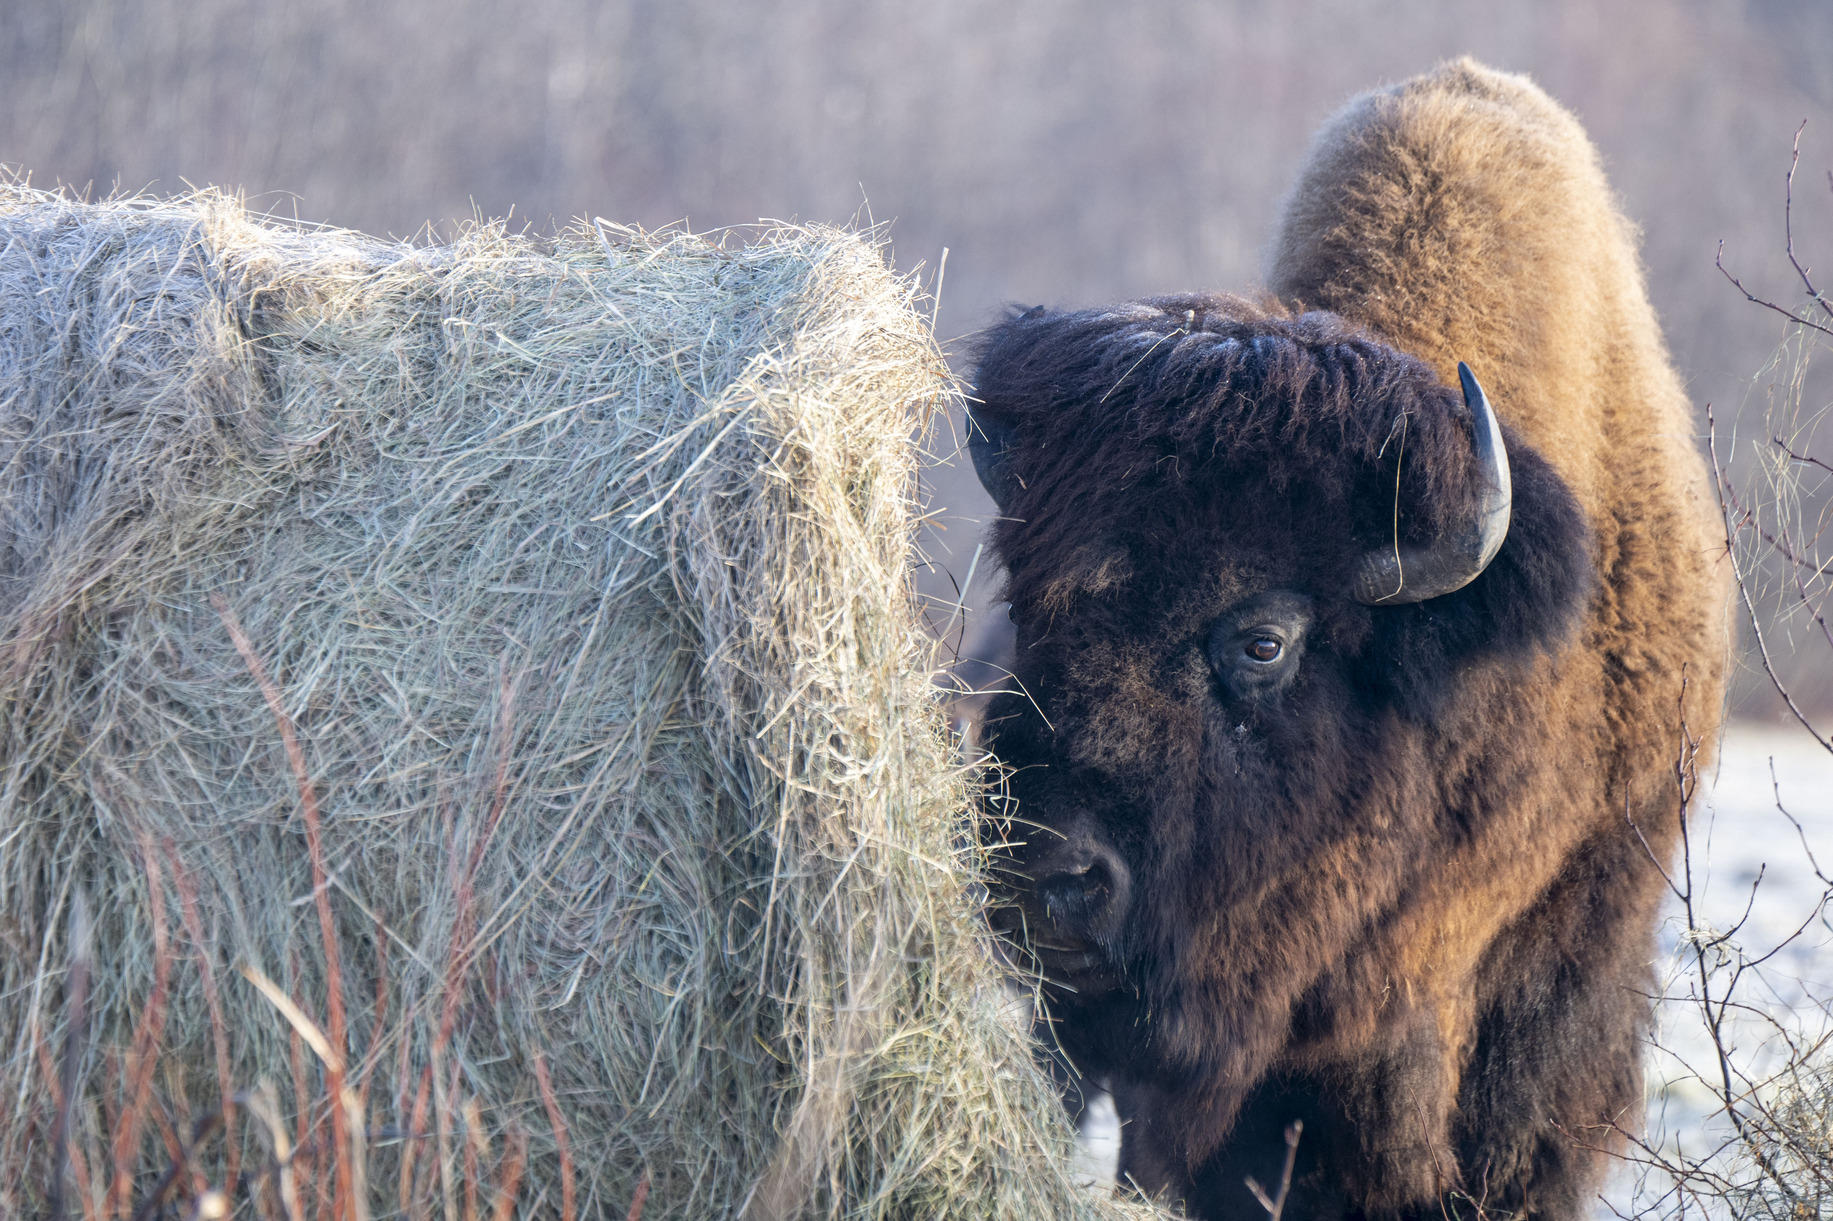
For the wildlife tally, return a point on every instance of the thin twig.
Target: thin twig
(1756, 300)
(1277, 1204)
(1807, 459)
(1788, 225)
(1750, 610)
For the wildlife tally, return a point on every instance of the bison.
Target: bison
(1339, 752)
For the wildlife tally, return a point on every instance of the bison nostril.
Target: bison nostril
(1094, 878)
(1087, 890)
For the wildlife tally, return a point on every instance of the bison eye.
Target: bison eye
(1255, 646)
(1264, 649)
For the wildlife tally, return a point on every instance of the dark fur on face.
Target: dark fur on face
(1123, 437)
(1248, 809)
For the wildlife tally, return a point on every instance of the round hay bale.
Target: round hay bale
(465, 727)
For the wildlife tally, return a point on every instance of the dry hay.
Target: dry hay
(580, 571)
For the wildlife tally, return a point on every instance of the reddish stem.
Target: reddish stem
(560, 1142)
(321, 894)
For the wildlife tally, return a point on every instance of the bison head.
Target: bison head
(1268, 628)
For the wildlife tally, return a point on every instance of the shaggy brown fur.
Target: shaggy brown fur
(1387, 885)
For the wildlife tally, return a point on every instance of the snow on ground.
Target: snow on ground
(1763, 830)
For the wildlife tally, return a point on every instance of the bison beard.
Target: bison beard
(1282, 854)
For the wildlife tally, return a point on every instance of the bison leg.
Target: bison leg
(1555, 1074)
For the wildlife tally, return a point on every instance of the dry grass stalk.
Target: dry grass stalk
(509, 1178)
(638, 1200)
(264, 1105)
(219, 1027)
(64, 1150)
(144, 1051)
(410, 1143)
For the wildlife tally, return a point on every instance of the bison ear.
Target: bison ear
(989, 441)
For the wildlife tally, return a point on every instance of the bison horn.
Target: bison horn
(1389, 576)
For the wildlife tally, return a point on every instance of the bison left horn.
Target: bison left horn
(1391, 575)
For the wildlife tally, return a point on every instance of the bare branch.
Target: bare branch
(1803, 458)
(1277, 1204)
(1756, 300)
(1776, 788)
(1756, 626)
(1788, 225)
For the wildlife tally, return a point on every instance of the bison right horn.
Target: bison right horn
(1389, 576)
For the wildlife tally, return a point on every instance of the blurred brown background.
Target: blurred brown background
(1065, 151)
